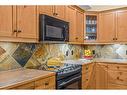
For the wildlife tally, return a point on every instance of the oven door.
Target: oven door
(52, 29)
(72, 82)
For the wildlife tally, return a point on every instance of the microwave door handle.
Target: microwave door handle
(64, 33)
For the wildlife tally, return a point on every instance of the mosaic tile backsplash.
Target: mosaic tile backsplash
(17, 55)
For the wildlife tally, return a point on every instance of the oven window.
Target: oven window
(54, 32)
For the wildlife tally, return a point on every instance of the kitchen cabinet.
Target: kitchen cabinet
(47, 83)
(80, 26)
(112, 26)
(121, 26)
(107, 32)
(117, 76)
(89, 76)
(57, 11)
(75, 18)
(6, 22)
(26, 22)
(91, 24)
(101, 75)
(27, 79)
(18, 23)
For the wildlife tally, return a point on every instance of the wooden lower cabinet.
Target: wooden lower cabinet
(48, 83)
(44, 83)
(88, 76)
(104, 76)
(101, 75)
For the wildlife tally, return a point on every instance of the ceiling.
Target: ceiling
(100, 7)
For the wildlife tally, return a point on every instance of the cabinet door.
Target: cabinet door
(107, 27)
(46, 9)
(80, 26)
(60, 12)
(101, 76)
(122, 25)
(26, 22)
(6, 22)
(71, 17)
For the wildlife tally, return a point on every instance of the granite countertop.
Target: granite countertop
(20, 76)
(105, 60)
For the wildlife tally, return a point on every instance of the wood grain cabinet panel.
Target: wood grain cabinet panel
(6, 21)
(47, 83)
(117, 77)
(71, 17)
(88, 76)
(46, 9)
(80, 26)
(107, 31)
(121, 25)
(75, 18)
(59, 11)
(30, 85)
(101, 76)
(26, 22)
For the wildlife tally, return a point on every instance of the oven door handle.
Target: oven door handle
(73, 79)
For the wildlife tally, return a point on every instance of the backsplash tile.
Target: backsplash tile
(17, 55)
(23, 53)
(109, 51)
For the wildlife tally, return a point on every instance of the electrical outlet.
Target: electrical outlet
(67, 53)
(72, 52)
(93, 51)
(126, 52)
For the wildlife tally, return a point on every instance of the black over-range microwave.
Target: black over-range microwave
(52, 29)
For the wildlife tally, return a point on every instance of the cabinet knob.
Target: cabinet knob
(15, 31)
(86, 79)
(118, 67)
(47, 83)
(86, 68)
(19, 31)
(76, 38)
(113, 38)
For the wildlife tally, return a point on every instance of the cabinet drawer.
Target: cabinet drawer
(87, 67)
(26, 86)
(45, 83)
(117, 67)
(116, 86)
(117, 77)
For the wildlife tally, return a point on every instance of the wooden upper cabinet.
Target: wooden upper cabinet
(80, 26)
(6, 17)
(26, 22)
(46, 9)
(76, 24)
(71, 17)
(59, 11)
(121, 25)
(107, 27)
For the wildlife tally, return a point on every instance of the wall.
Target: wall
(16, 55)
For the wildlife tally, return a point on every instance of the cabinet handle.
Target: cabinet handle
(118, 67)
(19, 31)
(47, 83)
(116, 39)
(15, 31)
(86, 68)
(76, 38)
(113, 38)
(86, 79)
(119, 79)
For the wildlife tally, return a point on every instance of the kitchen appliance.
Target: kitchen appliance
(53, 29)
(68, 76)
